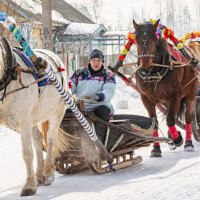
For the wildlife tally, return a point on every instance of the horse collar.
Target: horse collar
(9, 65)
(152, 76)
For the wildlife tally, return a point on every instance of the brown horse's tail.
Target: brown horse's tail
(181, 112)
(63, 140)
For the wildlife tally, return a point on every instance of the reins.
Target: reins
(171, 65)
(25, 86)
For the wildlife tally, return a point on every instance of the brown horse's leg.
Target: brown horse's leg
(156, 152)
(188, 128)
(174, 134)
(174, 107)
(188, 138)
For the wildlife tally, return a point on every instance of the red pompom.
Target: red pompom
(174, 40)
(70, 85)
(193, 35)
(121, 57)
(61, 68)
(128, 46)
(168, 34)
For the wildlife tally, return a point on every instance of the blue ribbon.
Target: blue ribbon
(3, 16)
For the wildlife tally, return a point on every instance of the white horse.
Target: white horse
(24, 110)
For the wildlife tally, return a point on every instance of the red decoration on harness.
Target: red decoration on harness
(128, 45)
(176, 54)
(121, 57)
(61, 68)
(155, 134)
(193, 35)
(70, 85)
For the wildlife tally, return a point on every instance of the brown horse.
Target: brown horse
(171, 86)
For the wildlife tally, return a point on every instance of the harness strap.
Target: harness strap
(19, 73)
(146, 55)
(171, 65)
(190, 81)
(157, 76)
(25, 86)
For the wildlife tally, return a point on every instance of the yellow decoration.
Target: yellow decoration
(179, 45)
(124, 51)
(153, 21)
(163, 30)
(197, 33)
(187, 36)
(132, 36)
(183, 39)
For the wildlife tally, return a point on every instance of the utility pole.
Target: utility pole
(47, 24)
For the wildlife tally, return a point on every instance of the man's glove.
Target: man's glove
(99, 97)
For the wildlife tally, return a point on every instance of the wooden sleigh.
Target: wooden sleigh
(124, 134)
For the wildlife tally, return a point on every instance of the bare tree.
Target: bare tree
(95, 7)
(197, 7)
(186, 20)
(170, 13)
(78, 43)
(90, 8)
(119, 21)
(180, 18)
(160, 9)
(135, 16)
(83, 8)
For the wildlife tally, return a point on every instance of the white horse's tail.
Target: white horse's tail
(63, 140)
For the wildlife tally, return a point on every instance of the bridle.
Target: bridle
(147, 74)
(145, 52)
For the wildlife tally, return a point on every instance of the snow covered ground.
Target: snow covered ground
(174, 176)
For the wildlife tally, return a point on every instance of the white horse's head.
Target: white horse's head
(7, 64)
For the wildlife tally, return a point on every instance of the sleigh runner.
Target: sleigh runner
(124, 134)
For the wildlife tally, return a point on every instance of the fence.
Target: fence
(73, 62)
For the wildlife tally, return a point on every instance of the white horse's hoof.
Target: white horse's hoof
(28, 192)
(49, 180)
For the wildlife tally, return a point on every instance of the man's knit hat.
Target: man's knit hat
(96, 54)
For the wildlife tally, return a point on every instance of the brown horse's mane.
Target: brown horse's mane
(162, 49)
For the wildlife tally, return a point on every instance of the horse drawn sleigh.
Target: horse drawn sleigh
(124, 133)
(164, 79)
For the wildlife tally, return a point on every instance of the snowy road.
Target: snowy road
(174, 176)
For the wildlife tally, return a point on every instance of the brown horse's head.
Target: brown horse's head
(146, 43)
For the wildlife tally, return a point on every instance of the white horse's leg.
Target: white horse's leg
(37, 141)
(30, 186)
(49, 166)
